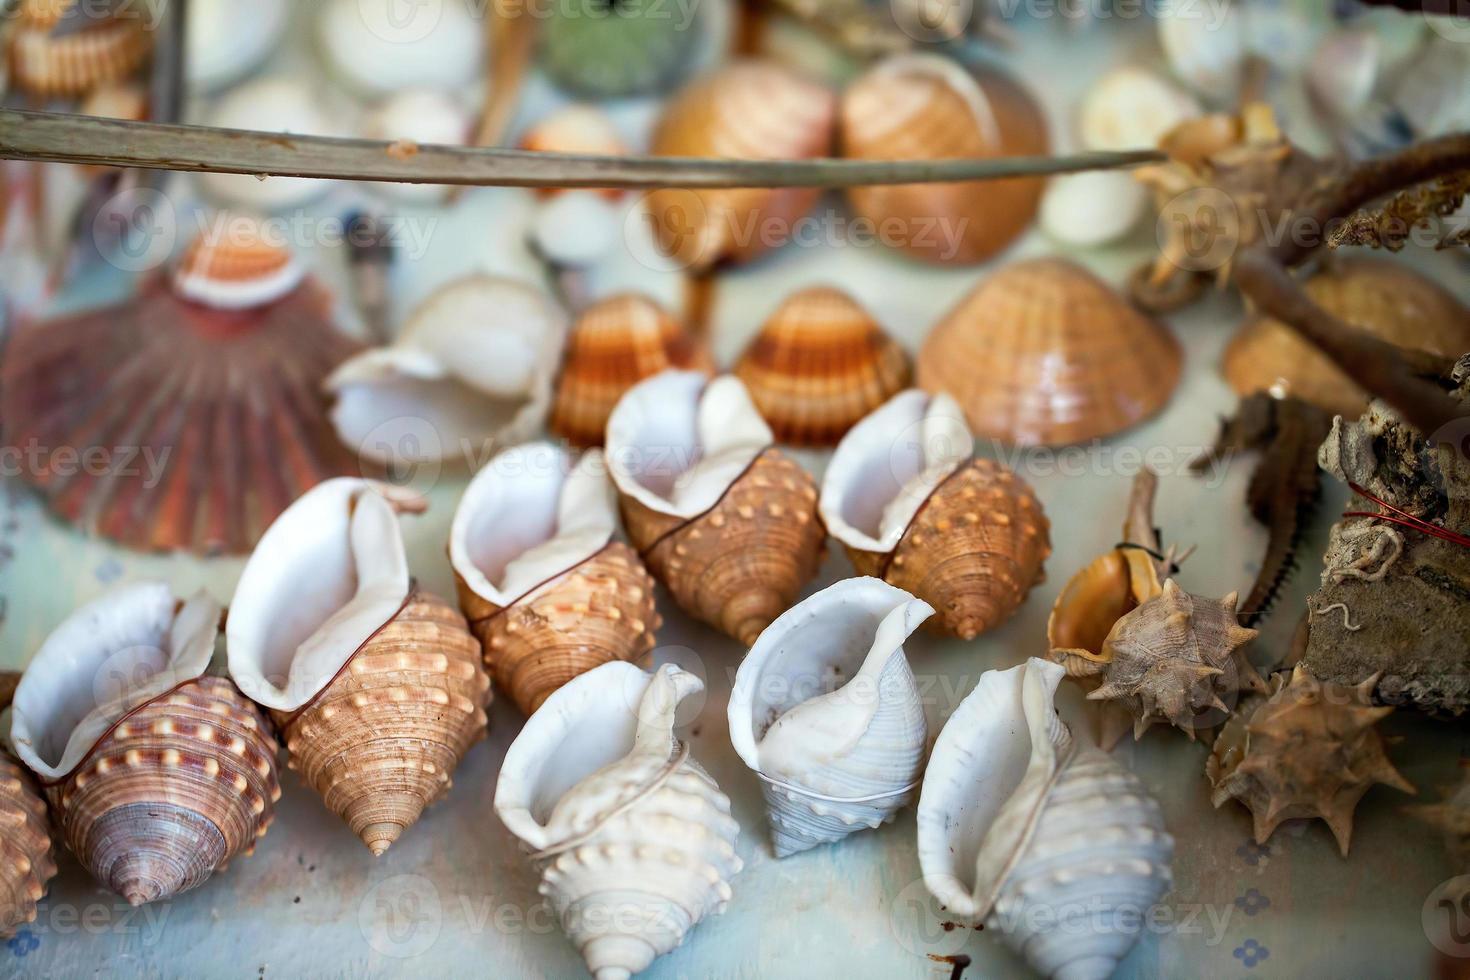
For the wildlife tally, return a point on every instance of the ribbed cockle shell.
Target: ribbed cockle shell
(26, 866)
(820, 364)
(66, 64)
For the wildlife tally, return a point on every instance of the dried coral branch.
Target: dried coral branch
(1389, 226)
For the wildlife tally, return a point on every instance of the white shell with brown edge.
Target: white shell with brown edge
(26, 865)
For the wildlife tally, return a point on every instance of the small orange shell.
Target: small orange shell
(929, 108)
(1045, 353)
(750, 110)
(69, 65)
(613, 345)
(576, 128)
(600, 611)
(819, 365)
(1384, 298)
(237, 268)
(26, 864)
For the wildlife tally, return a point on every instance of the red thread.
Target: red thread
(1405, 519)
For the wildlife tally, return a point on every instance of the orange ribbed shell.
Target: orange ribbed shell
(1384, 298)
(1045, 353)
(918, 114)
(749, 110)
(613, 345)
(576, 128)
(69, 65)
(241, 255)
(820, 364)
(26, 864)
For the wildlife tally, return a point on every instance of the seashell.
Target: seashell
(1205, 52)
(26, 865)
(206, 418)
(470, 372)
(926, 107)
(576, 227)
(613, 345)
(1384, 298)
(270, 105)
(69, 64)
(1431, 100)
(726, 522)
(124, 100)
(1092, 209)
(418, 116)
(157, 775)
(1309, 750)
(380, 51)
(576, 128)
(42, 14)
(1451, 817)
(1045, 353)
(1042, 839)
(748, 110)
(1174, 658)
(1131, 108)
(912, 506)
(226, 40)
(820, 363)
(634, 840)
(1344, 70)
(548, 592)
(376, 686)
(827, 713)
(637, 48)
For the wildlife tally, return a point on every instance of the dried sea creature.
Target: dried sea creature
(271, 105)
(157, 774)
(926, 107)
(379, 51)
(548, 592)
(376, 686)
(47, 62)
(1035, 835)
(721, 518)
(599, 49)
(226, 40)
(26, 865)
(1311, 749)
(827, 713)
(620, 818)
(912, 506)
(818, 365)
(1045, 353)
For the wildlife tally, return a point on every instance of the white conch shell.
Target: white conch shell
(827, 713)
(272, 105)
(636, 841)
(383, 48)
(1038, 836)
(120, 651)
(227, 39)
(471, 371)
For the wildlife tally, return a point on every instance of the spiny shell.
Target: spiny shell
(925, 107)
(749, 110)
(635, 48)
(1174, 658)
(1045, 353)
(1386, 299)
(613, 345)
(820, 364)
(26, 866)
(238, 269)
(1309, 750)
(48, 65)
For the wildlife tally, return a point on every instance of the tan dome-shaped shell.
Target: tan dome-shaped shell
(749, 110)
(1385, 298)
(1045, 353)
(820, 364)
(48, 65)
(613, 345)
(924, 107)
(26, 865)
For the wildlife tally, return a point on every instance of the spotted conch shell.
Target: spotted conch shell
(26, 866)
(547, 590)
(827, 713)
(157, 774)
(376, 685)
(1309, 750)
(911, 505)
(634, 840)
(725, 521)
(1041, 838)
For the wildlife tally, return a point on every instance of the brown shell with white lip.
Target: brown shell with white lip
(819, 365)
(26, 864)
(973, 551)
(44, 14)
(1309, 750)
(1384, 298)
(48, 65)
(382, 740)
(613, 345)
(601, 610)
(178, 789)
(923, 112)
(1045, 353)
(745, 561)
(749, 110)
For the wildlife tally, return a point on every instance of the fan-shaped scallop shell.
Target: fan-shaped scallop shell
(26, 866)
(1045, 353)
(613, 345)
(51, 65)
(1386, 299)
(547, 591)
(634, 840)
(820, 364)
(926, 107)
(1044, 840)
(749, 110)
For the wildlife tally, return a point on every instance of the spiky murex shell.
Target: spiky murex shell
(26, 864)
